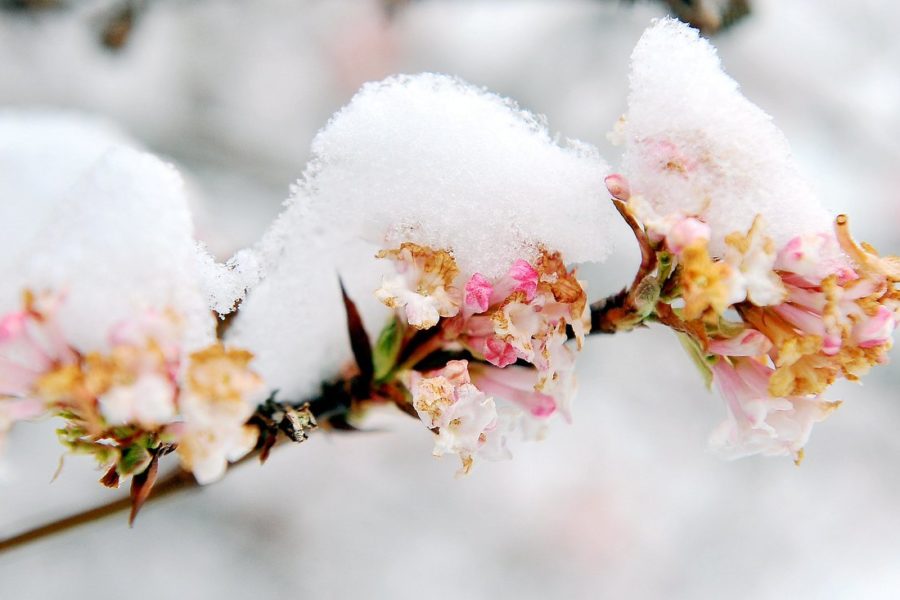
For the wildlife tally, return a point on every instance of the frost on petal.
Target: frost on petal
(685, 232)
(694, 145)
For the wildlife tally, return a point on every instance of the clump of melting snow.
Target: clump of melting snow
(695, 144)
(427, 159)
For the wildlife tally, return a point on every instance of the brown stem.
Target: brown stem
(181, 480)
(623, 310)
(421, 352)
(178, 481)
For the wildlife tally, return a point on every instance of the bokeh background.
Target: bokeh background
(624, 503)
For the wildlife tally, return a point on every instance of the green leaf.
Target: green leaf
(135, 459)
(700, 359)
(387, 348)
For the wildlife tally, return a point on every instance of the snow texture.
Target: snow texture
(428, 159)
(695, 144)
(119, 243)
(42, 154)
(433, 160)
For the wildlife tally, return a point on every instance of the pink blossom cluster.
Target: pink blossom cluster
(776, 326)
(514, 329)
(123, 404)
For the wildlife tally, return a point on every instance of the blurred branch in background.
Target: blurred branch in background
(119, 19)
(115, 23)
(710, 16)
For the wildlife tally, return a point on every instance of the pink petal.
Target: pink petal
(526, 278)
(685, 232)
(748, 343)
(618, 187)
(499, 353)
(876, 330)
(478, 292)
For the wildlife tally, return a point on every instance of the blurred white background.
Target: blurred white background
(625, 502)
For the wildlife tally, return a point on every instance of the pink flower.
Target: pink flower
(462, 416)
(686, 232)
(758, 423)
(499, 353)
(515, 385)
(149, 402)
(875, 330)
(814, 257)
(30, 345)
(478, 293)
(749, 342)
(424, 284)
(522, 277)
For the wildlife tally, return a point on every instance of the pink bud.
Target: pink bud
(618, 187)
(685, 232)
(478, 292)
(526, 278)
(499, 353)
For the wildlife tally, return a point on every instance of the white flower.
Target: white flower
(216, 407)
(149, 402)
(423, 286)
(462, 416)
(752, 257)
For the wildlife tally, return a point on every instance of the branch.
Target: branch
(179, 481)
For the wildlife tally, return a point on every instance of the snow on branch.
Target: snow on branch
(427, 260)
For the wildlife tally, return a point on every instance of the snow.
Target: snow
(119, 243)
(42, 154)
(432, 160)
(694, 144)
(625, 503)
(426, 159)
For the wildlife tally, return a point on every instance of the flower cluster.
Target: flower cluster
(773, 327)
(133, 403)
(514, 332)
